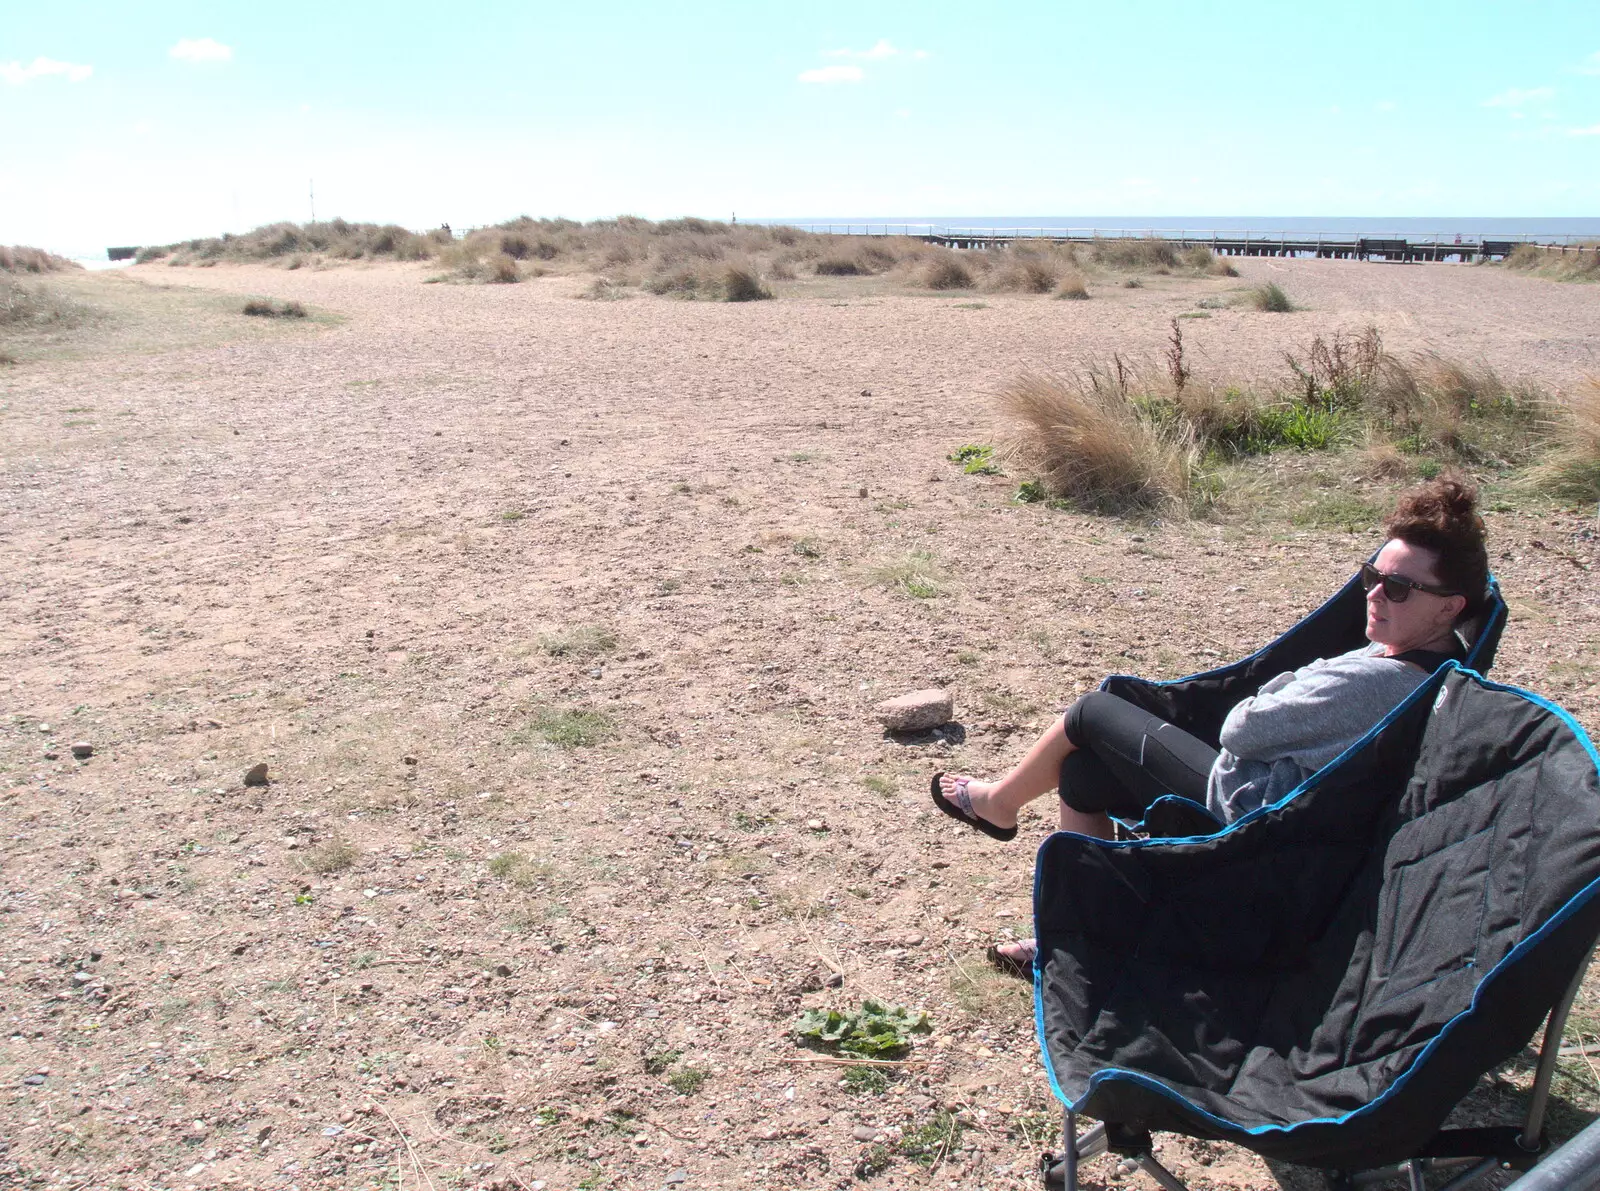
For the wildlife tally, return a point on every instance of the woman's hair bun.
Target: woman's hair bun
(1442, 516)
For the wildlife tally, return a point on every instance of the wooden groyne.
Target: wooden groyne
(1328, 245)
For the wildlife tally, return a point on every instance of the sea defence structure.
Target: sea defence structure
(1333, 245)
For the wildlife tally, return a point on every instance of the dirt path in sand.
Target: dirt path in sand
(558, 623)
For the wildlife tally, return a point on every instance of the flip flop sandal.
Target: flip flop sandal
(961, 808)
(1010, 965)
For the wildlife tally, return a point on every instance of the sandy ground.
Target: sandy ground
(391, 550)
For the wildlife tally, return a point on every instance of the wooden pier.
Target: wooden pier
(1326, 245)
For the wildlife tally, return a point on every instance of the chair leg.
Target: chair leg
(1414, 1175)
(1148, 1163)
(1533, 1131)
(1069, 1151)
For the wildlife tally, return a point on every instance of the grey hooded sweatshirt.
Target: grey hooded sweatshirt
(1298, 722)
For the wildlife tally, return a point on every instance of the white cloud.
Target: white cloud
(1592, 130)
(833, 74)
(884, 49)
(200, 49)
(1516, 97)
(17, 74)
(880, 51)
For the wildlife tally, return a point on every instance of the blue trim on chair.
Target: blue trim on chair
(1572, 906)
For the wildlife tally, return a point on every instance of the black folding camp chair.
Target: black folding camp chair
(1324, 980)
(1199, 703)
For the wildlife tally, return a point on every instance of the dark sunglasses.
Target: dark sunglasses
(1395, 588)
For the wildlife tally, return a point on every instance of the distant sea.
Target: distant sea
(1494, 227)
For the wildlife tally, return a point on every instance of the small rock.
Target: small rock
(408, 759)
(82, 749)
(768, 1134)
(256, 775)
(35, 1080)
(595, 673)
(346, 1117)
(44, 728)
(816, 825)
(864, 1133)
(676, 1177)
(51, 755)
(862, 491)
(82, 977)
(916, 711)
(502, 970)
(866, 392)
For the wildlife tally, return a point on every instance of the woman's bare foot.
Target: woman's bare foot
(980, 797)
(1015, 957)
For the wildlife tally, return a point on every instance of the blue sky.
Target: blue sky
(142, 123)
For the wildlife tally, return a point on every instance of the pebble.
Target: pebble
(256, 775)
(864, 1133)
(502, 970)
(816, 825)
(676, 1177)
(82, 749)
(768, 1134)
(916, 711)
(35, 1080)
(44, 728)
(51, 755)
(408, 759)
(595, 673)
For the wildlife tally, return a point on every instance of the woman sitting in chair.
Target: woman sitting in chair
(1112, 759)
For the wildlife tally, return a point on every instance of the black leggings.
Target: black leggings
(1127, 758)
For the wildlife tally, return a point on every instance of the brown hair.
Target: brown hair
(1442, 516)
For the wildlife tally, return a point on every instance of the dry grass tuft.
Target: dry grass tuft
(264, 308)
(1153, 255)
(1572, 470)
(20, 259)
(1072, 287)
(38, 307)
(1270, 299)
(1089, 442)
(1580, 264)
(741, 283)
(946, 271)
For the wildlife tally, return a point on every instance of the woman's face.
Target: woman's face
(1421, 618)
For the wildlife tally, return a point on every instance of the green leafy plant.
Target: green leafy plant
(686, 1081)
(976, 459)
(657, 1063)
(874, 1031)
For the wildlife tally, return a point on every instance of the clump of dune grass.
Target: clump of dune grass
(1574, 263)
(337, 239)
(266, 308)
(1202, 260)
(946, 271)
(1072, 288)
(20, 259)
(38, 307)
(501, 269)
(839, 266)
(1091, 442)
(1025, 274)
(741, 283)
(1151, 254)
(1571, 471)
(1270, 299)
(606, 289)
